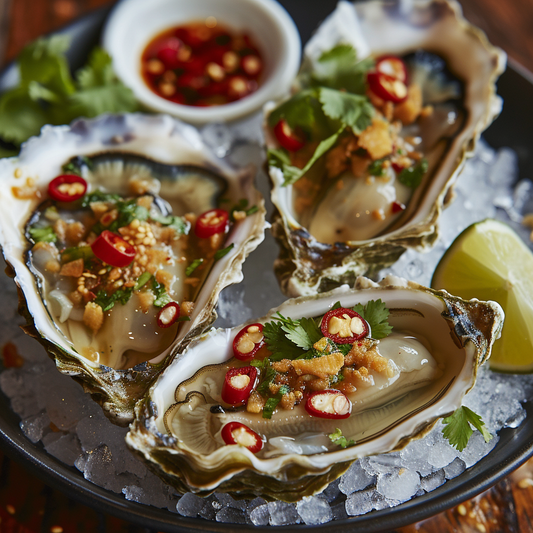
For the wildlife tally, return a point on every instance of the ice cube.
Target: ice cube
(67, 448)
(283, 514)
(190, 505)
(456, 467)
(231, 515)
(314, 510)
(431, 482)
(34, 427)
(355, 478)
(399, 485)
(260, 516)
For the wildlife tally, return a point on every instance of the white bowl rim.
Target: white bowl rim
(274, 87)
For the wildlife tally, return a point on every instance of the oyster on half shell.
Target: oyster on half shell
(178, 174)
(332, 229)
(442, 341)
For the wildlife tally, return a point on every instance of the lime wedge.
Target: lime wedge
(489, 261)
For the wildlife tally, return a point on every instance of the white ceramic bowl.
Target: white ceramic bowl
(133, 23)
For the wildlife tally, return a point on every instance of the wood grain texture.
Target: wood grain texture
(508, 24)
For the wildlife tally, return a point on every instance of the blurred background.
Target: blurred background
(508, 24)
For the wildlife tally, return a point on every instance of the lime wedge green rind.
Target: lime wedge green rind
(489, 261)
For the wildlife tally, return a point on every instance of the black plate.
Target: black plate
(514, 128)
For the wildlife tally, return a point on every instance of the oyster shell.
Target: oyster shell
(171, 161)
(177, 426)
(327, 244)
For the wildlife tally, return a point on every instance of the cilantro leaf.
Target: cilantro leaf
(178, 223)
(99, 196)
(47, 93)
(458, 428)
(46, 234)
(219, 254)
(412, 176)
(376, 313)
(98, 70)
(376, 168)
(339, 68)
(99, 90)
(353, 110)
(277, 342)
(113, 98)
(338, 438)
(107, 301)
(75, 166)
(44, 62)
(267, 375)
(293, 174)
(20, 116)
(299, 111)
(128, 211)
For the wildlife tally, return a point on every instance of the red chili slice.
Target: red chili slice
(67, 188)
(211, 222)
(238, 384)
(248, 342)
(237, 433)
(392, 66)
(287, 137)
(168, 52)
(387, 87)
(113, 249)
(343, 326)
(328, 404)
(168, 315)
(397, 167)
(396, 207)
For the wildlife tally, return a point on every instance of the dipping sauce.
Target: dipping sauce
(202, 64)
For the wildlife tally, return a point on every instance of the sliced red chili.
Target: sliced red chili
(397, 167)
(392, 66)
(343, 326)
(67, 188)
(211, 222)
(238, 384)
(168, 315)
(328, 404)
(237, 433)
(248, 342)
(287, 137)
(387, 87)
(113, 249)
(396, 207)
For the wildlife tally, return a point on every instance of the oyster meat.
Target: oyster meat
(151, 184)
(373, 395)
(364, 156)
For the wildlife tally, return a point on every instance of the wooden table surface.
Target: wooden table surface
(506, 508)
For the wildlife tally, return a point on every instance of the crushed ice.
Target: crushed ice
(53, 409)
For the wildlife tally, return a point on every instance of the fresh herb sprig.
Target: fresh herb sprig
(48, 94)
(458, 427)
(335, 100)
(376, 313)
(338, 438)
(287, 338)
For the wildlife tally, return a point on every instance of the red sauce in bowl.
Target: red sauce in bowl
(202, 64)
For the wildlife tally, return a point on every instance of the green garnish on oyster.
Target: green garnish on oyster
(307, 389)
